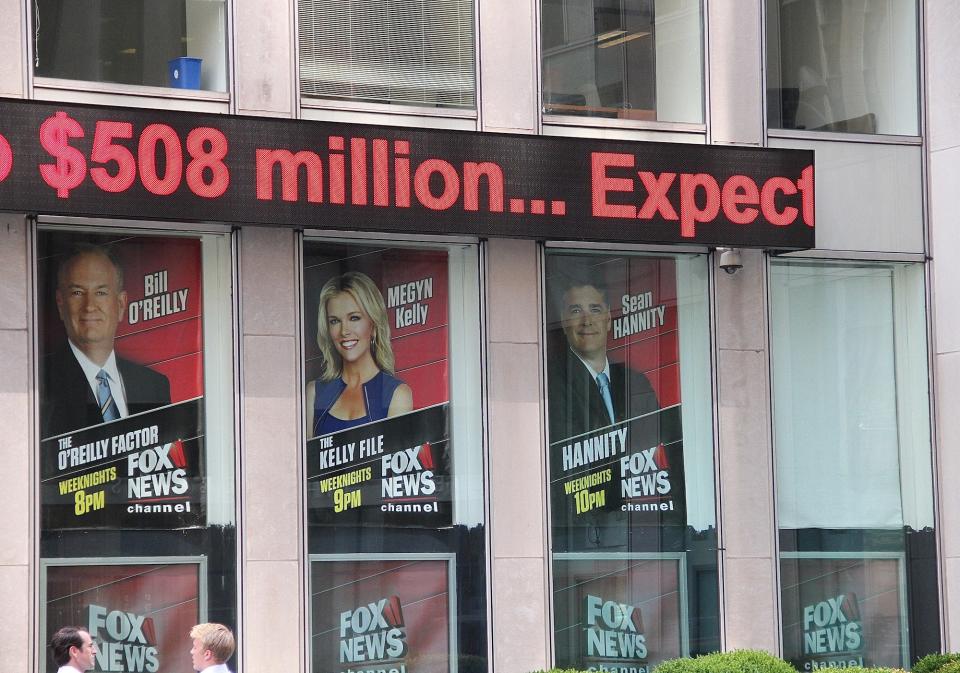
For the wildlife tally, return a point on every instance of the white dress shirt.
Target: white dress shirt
(594, 374)
(91, 369)
(216, 668)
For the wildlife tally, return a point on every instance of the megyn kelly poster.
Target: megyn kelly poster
(377, 385)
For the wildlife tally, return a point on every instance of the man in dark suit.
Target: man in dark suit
(587, 391)
(86, 383)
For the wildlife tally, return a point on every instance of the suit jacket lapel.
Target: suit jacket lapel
(83, 405)
(618, 390)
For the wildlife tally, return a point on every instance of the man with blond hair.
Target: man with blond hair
(213, 644)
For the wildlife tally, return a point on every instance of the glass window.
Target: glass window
(394, 457)
(167, 43)
(854, 481)
(843, 65)
(632, 511)
(408, 52)
(623, 59)
(138, 526)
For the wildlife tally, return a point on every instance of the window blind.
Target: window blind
(416, 52)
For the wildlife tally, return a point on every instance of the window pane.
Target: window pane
(138, 531)
(626, 59)
(411, 52)
(843, 65)
(394, 460)
(168, 43)
(851, 428)
(631, 475)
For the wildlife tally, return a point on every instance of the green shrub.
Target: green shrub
(863, 669)
(757, 661)
(950, 666)
(932, 663)
(738, 661)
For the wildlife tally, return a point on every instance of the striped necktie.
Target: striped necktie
(603, 381)
(108, 408)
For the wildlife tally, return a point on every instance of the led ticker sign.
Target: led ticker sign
(161, 165)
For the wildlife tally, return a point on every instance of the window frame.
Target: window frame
(711, 381)
(858, 257)
(133, 95)
(844, 136)
(399, 114)
(230, 376)
(479, 415)
(577, 125)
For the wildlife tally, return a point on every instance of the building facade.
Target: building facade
(479, 334)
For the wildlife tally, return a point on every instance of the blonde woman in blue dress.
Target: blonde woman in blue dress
(356, 383)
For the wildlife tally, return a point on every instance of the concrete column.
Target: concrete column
(264, 48)
(508, 66)
(272, 587)
(17, 647)
(734, 68)
(520, 621)
(13, 31)
(751, 612)
(751, 596)
(943, 144)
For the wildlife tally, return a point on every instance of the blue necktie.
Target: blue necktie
(603, 381)
(108, 408)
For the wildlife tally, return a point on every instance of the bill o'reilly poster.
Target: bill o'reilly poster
(121, 381)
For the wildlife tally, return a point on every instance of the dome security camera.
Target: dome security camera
(730, 260)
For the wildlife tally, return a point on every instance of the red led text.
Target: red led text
(701, 196)
(435, 183)
(156, 157)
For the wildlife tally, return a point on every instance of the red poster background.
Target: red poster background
(875, 582)
(655, 351)
(167, 595)
(420, 350)
(422, 587)
(652, 586)
(172, 344)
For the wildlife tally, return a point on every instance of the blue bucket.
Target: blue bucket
(185, 72)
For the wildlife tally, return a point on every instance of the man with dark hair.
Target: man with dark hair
(587, 394)
(587, 391)
(85, 383)
(213, 644)
(73, 650)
